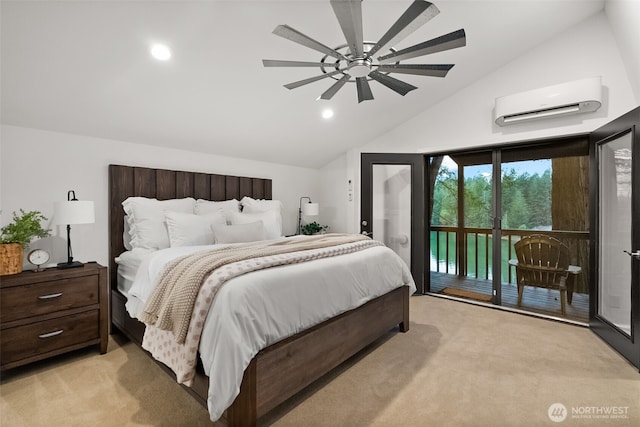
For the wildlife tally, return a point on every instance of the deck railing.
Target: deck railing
(477, 259)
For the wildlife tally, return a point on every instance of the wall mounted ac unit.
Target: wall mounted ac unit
(580, 96)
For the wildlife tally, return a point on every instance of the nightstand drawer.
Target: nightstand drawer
(47, 297)
(41, 337)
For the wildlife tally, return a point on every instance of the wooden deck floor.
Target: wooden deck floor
(536, 300)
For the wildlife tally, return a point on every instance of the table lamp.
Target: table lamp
(72, 211)
(306, 209)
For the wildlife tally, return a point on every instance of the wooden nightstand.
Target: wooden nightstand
(43, 314)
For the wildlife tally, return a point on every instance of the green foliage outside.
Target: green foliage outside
(526, 205)
(526, 200)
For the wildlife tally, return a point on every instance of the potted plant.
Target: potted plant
(16, 236)
(314, 228)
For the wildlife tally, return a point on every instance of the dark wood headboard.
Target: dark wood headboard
(162, 184)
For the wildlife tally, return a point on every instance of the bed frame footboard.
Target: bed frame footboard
(283, 369)
(280, 371)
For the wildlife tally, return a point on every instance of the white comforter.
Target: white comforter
(252, 311)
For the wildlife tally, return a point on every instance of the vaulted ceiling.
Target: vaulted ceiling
(83, 67)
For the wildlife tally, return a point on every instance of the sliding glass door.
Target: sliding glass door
(483, 202)
(461, 225)
(545, 191)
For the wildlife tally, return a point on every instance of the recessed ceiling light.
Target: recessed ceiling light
(327, 114)
(160, 52)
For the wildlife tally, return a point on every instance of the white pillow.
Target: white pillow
(126, 234)
(250, 205)
(205, 207)
(147, 226)
(186, 229)
(253, 206)
(240, 233)
(271, 220)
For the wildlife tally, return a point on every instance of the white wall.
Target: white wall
(466, 119)
(340, 189)
(39, 167)
(334, 195)
(624, 16)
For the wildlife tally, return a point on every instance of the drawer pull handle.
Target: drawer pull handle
(51, 334)
(50, 296)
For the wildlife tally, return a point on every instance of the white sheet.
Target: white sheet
(128, 266)
(253, 311)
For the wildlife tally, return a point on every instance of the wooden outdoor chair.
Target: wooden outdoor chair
(543, 262)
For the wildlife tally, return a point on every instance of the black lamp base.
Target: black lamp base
(73, 264)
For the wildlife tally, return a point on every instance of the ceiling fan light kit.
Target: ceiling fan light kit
(361, 61)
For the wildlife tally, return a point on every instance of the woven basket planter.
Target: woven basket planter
(11, 258)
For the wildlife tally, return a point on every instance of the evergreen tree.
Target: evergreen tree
(518, 211)
(526, 200)
(477, 202)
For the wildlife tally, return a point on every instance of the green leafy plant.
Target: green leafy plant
(24, 228)
(313, 228)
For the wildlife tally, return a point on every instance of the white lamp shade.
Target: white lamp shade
(73, 212)
(310, 209)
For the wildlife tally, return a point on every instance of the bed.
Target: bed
(304, 356)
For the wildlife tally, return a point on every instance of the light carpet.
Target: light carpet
(459, 365)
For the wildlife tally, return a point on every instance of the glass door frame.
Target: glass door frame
(496, 225)
(493, 156)
(627, 345)
(418, 228)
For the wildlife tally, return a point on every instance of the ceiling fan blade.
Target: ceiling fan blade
(278, 63)
(438, 70)
(394, 84)
(328, 94)
(296, 36)
(349, 14)
(418, 14)
(439, 44)
(311, 80)
(364, 90)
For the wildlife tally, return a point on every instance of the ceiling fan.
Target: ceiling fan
(362, 61)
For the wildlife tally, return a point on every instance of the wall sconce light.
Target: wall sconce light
(307, 209)
(73, 211)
